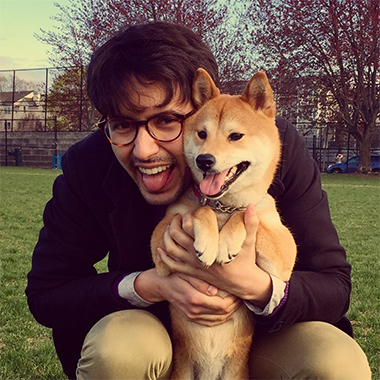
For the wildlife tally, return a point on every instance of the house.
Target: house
(22, 111)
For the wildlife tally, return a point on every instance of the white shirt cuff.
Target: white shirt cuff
(126, 289)
(278, 293)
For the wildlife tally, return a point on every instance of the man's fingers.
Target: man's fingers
(188, 224)
(200, 285)
(251, 222)
(179, 234)
(251, 219)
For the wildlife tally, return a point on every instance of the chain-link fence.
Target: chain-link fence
(42, 112)
(45, 99)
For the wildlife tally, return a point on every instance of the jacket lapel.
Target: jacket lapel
(132, 221)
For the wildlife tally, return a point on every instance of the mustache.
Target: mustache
(154, 160)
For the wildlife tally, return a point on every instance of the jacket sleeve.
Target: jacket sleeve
(64, 289)
(319, 288)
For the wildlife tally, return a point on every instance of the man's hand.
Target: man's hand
(241, 277)
(196, 299)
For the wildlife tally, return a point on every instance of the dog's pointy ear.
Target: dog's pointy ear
(203, 88)
(258, 93)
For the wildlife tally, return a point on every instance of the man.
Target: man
(112, 194)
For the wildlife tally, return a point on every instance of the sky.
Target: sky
(19, 20)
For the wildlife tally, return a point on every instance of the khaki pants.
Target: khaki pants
(133, 344)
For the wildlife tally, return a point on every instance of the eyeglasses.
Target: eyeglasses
(164, 127)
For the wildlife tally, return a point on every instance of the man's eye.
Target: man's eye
(164, 120)
(235, 136)
(121, 125)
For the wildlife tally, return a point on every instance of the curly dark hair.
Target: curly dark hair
(158, 52)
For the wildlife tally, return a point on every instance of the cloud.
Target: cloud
(12, 63)
(9, 63)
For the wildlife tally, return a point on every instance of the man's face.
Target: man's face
(158, 168)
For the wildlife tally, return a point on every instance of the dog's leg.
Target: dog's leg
(276, 250)
(206, 235)
(182, 369)
(238, 369)
(231, 238)
(183, 347)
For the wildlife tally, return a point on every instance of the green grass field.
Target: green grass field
(26, 348)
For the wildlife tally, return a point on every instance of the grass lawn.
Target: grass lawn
(26, 348)
(355, 210)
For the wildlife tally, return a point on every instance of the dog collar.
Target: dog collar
(203, 200)
(217, 205)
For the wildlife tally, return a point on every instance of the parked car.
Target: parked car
(352, 163)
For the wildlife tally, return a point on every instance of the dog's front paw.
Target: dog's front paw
(205, 248)
(229, 245)
(206, 235)
(227, 251)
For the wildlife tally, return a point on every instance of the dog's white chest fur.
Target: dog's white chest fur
(214, 350)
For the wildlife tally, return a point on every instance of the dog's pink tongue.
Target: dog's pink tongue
(212, 183)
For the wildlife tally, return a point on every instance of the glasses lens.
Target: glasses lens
(165, 127)
(120, 131)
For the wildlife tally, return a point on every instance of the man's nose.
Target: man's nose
(145, 146)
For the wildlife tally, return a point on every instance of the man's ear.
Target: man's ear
(204, 88)
(258, 93)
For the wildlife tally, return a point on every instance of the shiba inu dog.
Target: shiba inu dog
(232, 147)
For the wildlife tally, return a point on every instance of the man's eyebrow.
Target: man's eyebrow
(139, 110)
(171, 112)
(143, 109)
(135, 110)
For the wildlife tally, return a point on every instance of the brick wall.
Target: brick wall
(37, 148)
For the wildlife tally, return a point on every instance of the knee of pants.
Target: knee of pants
(129, 344)
(309, 350)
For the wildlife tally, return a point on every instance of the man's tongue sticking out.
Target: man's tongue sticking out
(212, 183)
(155, 181)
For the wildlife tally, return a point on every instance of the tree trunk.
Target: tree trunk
(364, 154)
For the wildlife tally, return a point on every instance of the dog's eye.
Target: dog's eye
(235, 136)
(202, 135)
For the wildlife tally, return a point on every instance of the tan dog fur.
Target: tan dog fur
(233, 129)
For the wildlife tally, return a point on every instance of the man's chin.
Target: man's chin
(160, 197)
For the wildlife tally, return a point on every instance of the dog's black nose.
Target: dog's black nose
(205, 162)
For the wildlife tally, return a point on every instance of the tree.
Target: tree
(7, 84)
(30, 122)
(68, 102)
(84, 25)
(333, 46)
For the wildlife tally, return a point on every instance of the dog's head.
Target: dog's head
(231, 143)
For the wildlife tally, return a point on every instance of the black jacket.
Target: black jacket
(97, 209)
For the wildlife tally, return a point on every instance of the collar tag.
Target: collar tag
(203, 201)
